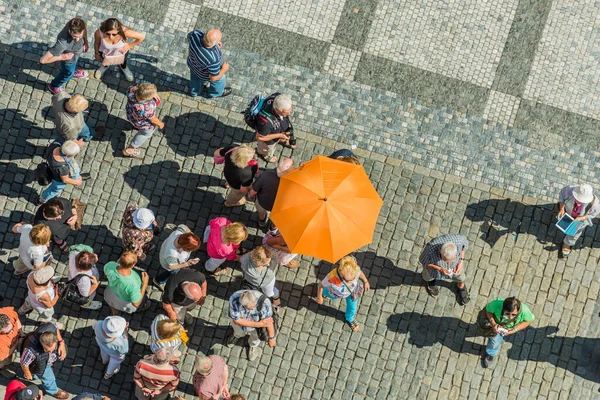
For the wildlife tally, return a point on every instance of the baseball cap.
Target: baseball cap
(31, 392)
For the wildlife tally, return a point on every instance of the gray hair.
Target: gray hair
(163, 355)
(212, 37)
(247, 300)
(285, 166)
(448, 251)
(282, 102)
(203, 364)
(70, 148)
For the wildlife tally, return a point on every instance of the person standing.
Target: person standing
(64, 168)
(207, 74)
(142, 101)
(155, 376)
(82, 261)
(10, 331)
(34, 252)
(264, 189)
(273, 126)
(42, 294)
(239, 168)
(125, 291)
(580, 203)
(183, 292)
(41, 349)
(68, 117)
(111, 336)
(506, 317)
(139, 228)
(71, 42)
(443, 258)
(259, 270)
(60, 216)
(111, 46)
(223, 239)
(175, 252)
(210, 378)
(165, 332)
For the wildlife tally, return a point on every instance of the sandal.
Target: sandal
(107, 376)
(353, 325)
(64, 247)
(135, 153)
(293, 264)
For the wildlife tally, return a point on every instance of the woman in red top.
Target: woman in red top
(223, 238)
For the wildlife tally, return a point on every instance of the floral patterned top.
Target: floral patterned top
(134, 238)
(140, 112)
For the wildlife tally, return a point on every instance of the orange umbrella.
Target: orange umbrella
(326, 208)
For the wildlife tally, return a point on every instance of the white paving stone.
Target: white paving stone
(317, 19)
(566, 70)
(342, 61)
(181, 15)
(462, 40)
(501, 107)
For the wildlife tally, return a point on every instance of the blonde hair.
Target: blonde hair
(242, 155)
(168, 328)
(128, 259)
(40, 235)
(145, 91)
(234, 233)
(348, 265)
(260, 256)
(78, 103)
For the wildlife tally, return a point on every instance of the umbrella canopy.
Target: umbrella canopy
(326, 208)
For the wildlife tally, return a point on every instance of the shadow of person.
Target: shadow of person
(17, 129)
(16, 180)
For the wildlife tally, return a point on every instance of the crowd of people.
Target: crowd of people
(254, 309)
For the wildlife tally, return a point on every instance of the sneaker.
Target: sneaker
(232, 340)
(127, 73)
(81, 74)
(55, 90)
(463, 295)
(92, 305)
(99, 72)
(488, 361)
(158, 285)
(253, 353)
(226, 92)
(85, 176)
(239, 203)
(24, 310)
(188, 319)
(433, 291)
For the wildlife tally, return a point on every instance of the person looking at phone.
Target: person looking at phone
(184, 291)
(579, 202)
(175, 253)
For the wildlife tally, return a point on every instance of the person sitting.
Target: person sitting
(82, 261)
(125, 291)
(60, 216)
(42, 294)
(139, 228)
(223, 238)
(259, 270)
(34, 252)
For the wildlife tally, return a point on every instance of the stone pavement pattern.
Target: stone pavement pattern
(446, 155)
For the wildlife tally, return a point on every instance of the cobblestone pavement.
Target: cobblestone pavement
(469, 117)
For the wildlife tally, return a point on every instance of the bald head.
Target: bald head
(212, 38)
(192, 291)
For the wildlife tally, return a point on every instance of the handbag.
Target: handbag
(221, 159)
(69, 290)
(484, 327)
(43, 174)
(358, 289)
(119, 59)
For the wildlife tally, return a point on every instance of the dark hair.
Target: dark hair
(76, 25)
(48, 339)
(511, 304)
(4, 321)
(53, 208)
(84, 261)
(113, 24)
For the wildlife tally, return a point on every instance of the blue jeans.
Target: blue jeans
(197, 87)
(48, 380)
(493, 345)
(55, 188)
(67, 71)
(351, 305)
(86, 133)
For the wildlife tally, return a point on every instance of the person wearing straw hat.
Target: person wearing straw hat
(580, 203)
(139, 228)
(111, 336)
(42, 294)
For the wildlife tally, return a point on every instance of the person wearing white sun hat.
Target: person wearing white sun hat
(580, 203)
(139, 228)
(111, 336)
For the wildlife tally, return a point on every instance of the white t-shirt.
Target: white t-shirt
(169, 254)
(32, 256)
(84, 285)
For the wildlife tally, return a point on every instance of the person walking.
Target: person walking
(264, 189)
(155, 376)
(210, 378)
(207, 71)
(273, 126)
(68, 117)
(126, 290)
(246, 316)
(42, 294)
(142, 102)
(175, 254)
(223, 239)
(139, 227)
(60, 215)
(64, 168)
(443, 258)
(71, 42)
(580, 202)
(41, 349)
(343, 283)
(184, 291)
(239, 168)
(111, 46)
(34, 247)
(10, 331)
(82, 262)
(111, 337)
(505, 317)
(259, 270)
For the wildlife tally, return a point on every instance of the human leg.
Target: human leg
(234, 198)
(105, 356)
(114, 363)
(351, 309)
(48, 381)
(86, 133)
(46, 314)
(262, 213)
(20, 267)
(213, 263)
(216, 88)
(493, 345)
(569, 241)
(25, 307)
(196, 85)
(141, 137)
(67, 71)
(139, 394)
(253, 340)
(53, 190)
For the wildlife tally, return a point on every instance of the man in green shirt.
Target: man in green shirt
(506, 316)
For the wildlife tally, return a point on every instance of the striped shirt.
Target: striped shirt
(155, 376)
(211, 386)
(203, 62)
(156, 342)
(431, 253)
(238, 311)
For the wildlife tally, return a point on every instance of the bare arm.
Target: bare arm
(137, 36)
(272, 136)
(224, 69)
(48, 58)
(170, 312)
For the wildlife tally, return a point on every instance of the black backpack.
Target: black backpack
(70, 292)
(255, 107)
(263, 334)
(43, 174)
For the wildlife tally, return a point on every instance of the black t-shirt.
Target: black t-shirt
(267, 122)
(58, 168)
(59, 227)
(235, 176)
(266, 186)
(174, 293)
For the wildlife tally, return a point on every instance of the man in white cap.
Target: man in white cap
(580, 203)
(139, 228)
(42, 294)
(111, 336)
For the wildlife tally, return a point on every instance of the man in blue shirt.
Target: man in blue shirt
(207, 74)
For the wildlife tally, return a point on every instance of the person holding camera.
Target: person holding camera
(273, 126)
